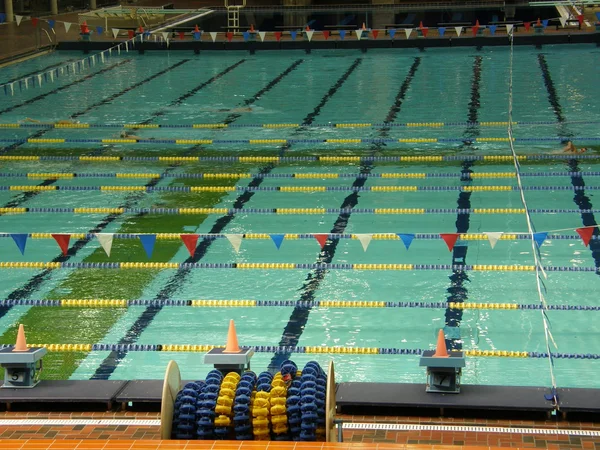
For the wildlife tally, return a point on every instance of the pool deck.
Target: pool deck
(430, 435)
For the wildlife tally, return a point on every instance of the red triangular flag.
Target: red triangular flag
(527, 25)
(425, 31)
(141, 30)
(63, 241)
(475, 29)
(34, 21)
(182, 35)
(375, 33)
(326, 34)
(278, 36)
(450, 239)
(190, 241)
(421, 25)
(321, 239)
(131, 34)
(579, 18)
(586, 234)
(229, 36)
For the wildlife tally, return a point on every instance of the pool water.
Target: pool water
(323, 88)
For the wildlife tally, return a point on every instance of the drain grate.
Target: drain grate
(466, 428)
(129, 422)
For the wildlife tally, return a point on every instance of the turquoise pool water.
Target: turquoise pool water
(326, 87)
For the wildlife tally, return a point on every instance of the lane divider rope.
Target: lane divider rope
(287, 125)
(510, 236)
(314, 175)
(185, 348)
(284, 141)
(340, 304)
(296, 189)
(282, 159)
(295, 211)
(291, 266)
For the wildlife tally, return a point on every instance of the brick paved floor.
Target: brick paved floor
(422, 438)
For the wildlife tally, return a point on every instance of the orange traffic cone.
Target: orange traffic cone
(21, 344)
(196, 29)
(141, 30)
(440, 350)
(232, 341)
(421, 24)
(364, 27)
(538, 23)
(252, 28)
(307, 28)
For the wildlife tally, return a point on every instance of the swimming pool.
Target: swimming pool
(321, 89)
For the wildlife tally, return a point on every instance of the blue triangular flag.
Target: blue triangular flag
(196, 35)
(293, 33)
(277, 239)
(342, 34)
(492, 29)
(539, 238)
(51, 22)
(148, 241)
(545, 23)
(246, 35)
(441, 30)
(20, 240)
(407, 239)
(2, 17)
(99, 30)
(392, 33)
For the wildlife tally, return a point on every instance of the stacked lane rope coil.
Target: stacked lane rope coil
(291, 405)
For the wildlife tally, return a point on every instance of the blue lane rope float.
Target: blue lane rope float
(285, 159)
(204, 126)
(285, 141)
(185, 348)
(508, 236)
(291, 266)
(345, 304)
(291, 211)
(310, 175)
(296, 189)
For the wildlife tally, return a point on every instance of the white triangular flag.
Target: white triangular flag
(106, 241)
(102, 56)
(26, 83)
(235, 241)
(213, 35)
(458, 31)
(493, 237)
(563, 21)
(73, 66)
(119, 49)
(408, 31)
(39, 77)
(262, 35)
(365, 240)
(12, 88)
(67, 26)
(509, 29)
(309, 34)
(359, 33)
(155, 37)
(126, 46)
(18, 19)
(93, 60)
(141, 35)
(115, 32)
(51, 76)
(62, 70)
(165, 35)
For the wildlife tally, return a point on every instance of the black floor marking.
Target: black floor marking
(457, 292)
(40, 71)
(110, 363)
(300, 314)
(310, 118)
(580, 198)
(36, 281)
(66, 86)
